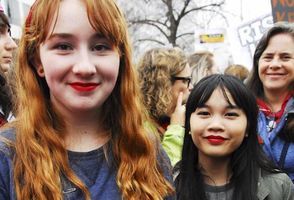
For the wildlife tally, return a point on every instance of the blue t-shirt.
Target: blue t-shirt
(96, 172)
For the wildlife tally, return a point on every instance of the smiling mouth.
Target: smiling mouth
(276, 74)
(215, 140)
(7, 59)
(84, 87)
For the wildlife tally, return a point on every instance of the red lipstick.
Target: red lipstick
(83, 87)
(215, 140)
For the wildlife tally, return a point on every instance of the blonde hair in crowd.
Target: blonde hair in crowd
(201, 64)
(237, 70)
(40, 155)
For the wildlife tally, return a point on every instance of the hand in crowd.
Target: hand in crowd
(178, 116)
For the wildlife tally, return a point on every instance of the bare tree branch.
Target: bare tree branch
(152, 23)
(151, 40)
(204, 7)
(169, 23)
(143, 21)
(184, 34)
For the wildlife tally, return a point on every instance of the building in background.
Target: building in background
(16, 10)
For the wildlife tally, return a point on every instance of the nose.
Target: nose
(275, 63)
(10, 44)
(84, 66)
(216, 124)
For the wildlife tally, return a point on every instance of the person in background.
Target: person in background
(272, 82)
(239, 71)
(221, 157)
(165, 82)
(7, 44)
(202, 65)
(79, 131)
(7, 47)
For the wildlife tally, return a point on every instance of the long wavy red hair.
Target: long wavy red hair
(39, 150)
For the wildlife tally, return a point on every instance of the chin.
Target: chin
(5, 67)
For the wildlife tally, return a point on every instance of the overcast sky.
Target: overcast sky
(251, 9)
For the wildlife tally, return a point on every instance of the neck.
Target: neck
(84, 133)
(275, 99)
(215, 171)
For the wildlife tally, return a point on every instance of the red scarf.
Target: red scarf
(267, 111)
(2, 121)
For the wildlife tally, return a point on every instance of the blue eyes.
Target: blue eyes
(68, 47)
(101, 47)
(63, 47)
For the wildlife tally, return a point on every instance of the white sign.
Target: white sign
(251, 32)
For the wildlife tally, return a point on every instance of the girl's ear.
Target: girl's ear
(40, 70)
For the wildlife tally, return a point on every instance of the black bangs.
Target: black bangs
(203, 90)
(201, 93)
(241, 95)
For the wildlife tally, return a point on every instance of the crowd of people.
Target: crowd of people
(80, 120)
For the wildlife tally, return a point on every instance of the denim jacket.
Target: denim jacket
(273, 144)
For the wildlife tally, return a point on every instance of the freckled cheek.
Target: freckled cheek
(111, 69)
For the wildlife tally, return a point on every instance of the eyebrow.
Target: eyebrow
(281, 53)
(71, 36)
(60, 35)
(227, 107)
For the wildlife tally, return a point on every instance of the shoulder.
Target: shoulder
(276, 178)
(7, 139)
(290, 106)
(276, 186)
(164, 163)
(163, 158)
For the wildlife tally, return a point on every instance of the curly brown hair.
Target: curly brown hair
(156, 68)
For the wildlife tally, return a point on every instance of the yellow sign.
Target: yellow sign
(212, 38)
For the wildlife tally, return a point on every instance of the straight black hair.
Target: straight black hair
(246, 161)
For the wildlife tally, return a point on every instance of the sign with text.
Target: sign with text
(212, 38)
(251, 32)
(283, 10)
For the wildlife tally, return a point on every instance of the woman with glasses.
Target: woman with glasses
(165, 77)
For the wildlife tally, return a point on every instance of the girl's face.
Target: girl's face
(80, 66)
(7, 46)
(218, 128)
(276, 64)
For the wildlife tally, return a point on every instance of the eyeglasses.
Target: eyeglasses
(186, 80)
